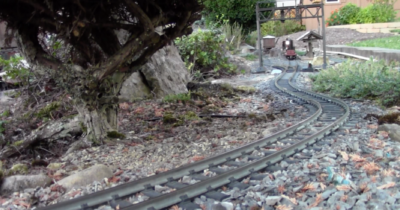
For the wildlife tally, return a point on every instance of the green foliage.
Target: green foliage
(6, 113)
(379, 11)
(47, 111)
(277, 28)
(115, 135)
(177, 97)
(361, 80)
(204, 54)
(395, 31)
(250, 57)
(251, 38)
(241, 12)
(2, 126)
(232, 34)
(15, 69)
(344, 15)
(387, 42)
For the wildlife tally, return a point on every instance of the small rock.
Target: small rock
(22, 182)
(392, 129)
(87, 176)
(272, 200)
(54, 166)
(227, 205)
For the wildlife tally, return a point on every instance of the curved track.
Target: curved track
(251, 161)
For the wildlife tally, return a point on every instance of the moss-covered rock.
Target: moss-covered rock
(246, 89)
(54, 166)
(17, 143)
(392, 118)
(47, 110)
(18, 169)
(115, 135)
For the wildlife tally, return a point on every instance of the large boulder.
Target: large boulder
(85, 177)
(164, 74)
(392, 129)
(20, 182)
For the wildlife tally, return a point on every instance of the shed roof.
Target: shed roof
(310, 36)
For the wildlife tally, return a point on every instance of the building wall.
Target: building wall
(312, 24)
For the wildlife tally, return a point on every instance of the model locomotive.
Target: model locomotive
(288, 49)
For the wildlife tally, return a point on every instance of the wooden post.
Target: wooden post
(323, 36)
(259, 39)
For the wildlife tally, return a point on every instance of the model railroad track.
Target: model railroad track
(251, 161)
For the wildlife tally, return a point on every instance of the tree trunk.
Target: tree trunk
(99, 123)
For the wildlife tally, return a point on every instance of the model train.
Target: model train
(288, 49)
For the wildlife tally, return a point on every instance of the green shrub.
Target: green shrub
(378, 12)
(241, 12)
(232, 35)
(177, 97)
(251, 38)
(277, 28)
(16, 69)
(2, 126)
(361, 80)
(204, 54)
(344, 15)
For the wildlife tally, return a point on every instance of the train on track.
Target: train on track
(288, 49)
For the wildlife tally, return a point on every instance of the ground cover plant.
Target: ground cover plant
(388, 42)
(379, 11)
(361, 80)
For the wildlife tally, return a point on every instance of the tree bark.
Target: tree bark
(99, 122)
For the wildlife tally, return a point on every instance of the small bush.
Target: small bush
(361, 80)
(232, 34)
(204, 54)
(16, 69)
(251, 38)
(379, 11)
(344, 15)
(178, 97)
(277, 28)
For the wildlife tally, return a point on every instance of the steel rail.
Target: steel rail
(202, 187)
(130, 188)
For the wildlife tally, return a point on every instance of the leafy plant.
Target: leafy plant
(241, 12)
(177, 97)
(16, 69)
(250, 57)
(2, 126)
(276, 28)
(344, 15)
(361, 80)
(378, 12)
(233, 35)
(204, 54)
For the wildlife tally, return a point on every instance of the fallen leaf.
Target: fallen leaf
(345, 156)
(293, 200)
(114, 179)
(124, 106)
(388, 185)
(283, 207)
(318, 200)
(308, 187)
(357, 158)
(138, 110)
(322, 185)
(197, 158)
(371, 167)
(384, 134)
(372, 126)
(175, 207)
(343, 187)
(281, 189)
